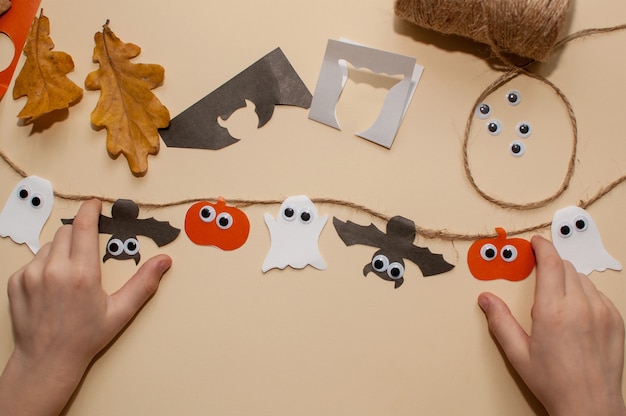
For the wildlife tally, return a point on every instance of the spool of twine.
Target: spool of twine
(512, 28)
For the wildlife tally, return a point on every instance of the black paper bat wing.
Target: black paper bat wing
(161, 232)
(429, 263)
(352, 233)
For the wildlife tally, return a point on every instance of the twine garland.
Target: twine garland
(513, 72)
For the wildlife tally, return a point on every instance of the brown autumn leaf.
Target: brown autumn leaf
(127, 108)
(43, 77)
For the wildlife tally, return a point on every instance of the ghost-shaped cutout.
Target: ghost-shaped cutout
(26, 211)
(577, 239)
(294, 235)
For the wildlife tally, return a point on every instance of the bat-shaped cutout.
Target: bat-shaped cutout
(268, 82)
(394, 246)
(124, 227)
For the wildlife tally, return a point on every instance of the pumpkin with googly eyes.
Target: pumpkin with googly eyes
(501, 257)
(217, 224)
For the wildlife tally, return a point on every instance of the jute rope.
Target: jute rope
(511, 28)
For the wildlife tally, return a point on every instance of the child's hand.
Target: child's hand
(62, 317)
(574, 356)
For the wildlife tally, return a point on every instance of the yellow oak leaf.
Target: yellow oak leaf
(43, 77)
(127, 108)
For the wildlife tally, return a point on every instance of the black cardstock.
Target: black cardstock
(125, 224)
(396, 244)
(268, 82)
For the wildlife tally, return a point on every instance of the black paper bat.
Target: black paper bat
(268, 82)
(394, 246)
(124, 227)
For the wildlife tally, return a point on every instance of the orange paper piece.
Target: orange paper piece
(217, 224)
(16, 23)
(501, 258)
(43, 77)
(127, 108)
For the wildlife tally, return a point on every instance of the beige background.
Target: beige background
(222, 338)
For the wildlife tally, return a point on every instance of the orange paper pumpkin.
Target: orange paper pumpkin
(217, 224)
(501, 258)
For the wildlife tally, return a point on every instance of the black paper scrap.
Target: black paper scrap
(268, 82)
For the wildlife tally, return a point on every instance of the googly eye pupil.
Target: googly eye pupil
(289, 212)
(395, 270)
(36, 201)
(483, 111)
(524, 128)
(488, 252)
(513, 97)
(115, 247)
(207, 213)
(131, 246)
(224, 220)
(22, 193)
(517, 148)
(565, 230)
(305, 216)
(581, 224)
(509, 253)
(494, 127)
(380, 263)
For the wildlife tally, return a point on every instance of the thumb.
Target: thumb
(511, 337)
(126, 302)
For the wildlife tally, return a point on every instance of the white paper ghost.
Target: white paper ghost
(577, 239)
(26, 211)
(294, 235)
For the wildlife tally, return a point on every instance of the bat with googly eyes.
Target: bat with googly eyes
(394, 246)
(124, 227)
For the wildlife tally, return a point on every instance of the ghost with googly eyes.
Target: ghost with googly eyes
(577, 239)
(294, 235)
(26, 211)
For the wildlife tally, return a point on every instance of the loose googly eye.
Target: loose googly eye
(23, 192)
(565, 230)
(36, 201)
(513, 97)
(306, 216)
(494, 127)
(523, 129)
(483, 111)
(580, 223)
(207, 213)
(131, 246)
(517, 148)
(380, 263)
(289, 213)
(224, 221)
(395, 271)
(488, 252)
(115, 247)
(508, 253)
